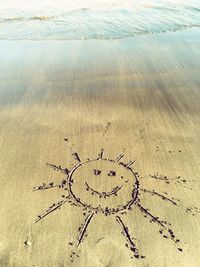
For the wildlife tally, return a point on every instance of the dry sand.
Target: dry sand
(137, 96)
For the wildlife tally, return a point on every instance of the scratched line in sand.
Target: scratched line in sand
(86, 186)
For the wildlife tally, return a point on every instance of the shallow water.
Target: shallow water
(55, 20)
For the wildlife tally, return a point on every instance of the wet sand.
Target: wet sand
(137, 96)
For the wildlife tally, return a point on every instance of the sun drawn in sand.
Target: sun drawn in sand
(110, 187)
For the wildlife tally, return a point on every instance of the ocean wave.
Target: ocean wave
(42, 18)
(14, 19)
(125, 36)
(111, 20)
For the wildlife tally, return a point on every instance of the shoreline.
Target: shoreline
(184, 29)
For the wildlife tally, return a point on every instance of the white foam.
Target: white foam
(90, 19)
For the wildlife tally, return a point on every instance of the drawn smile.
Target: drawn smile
(103, 194)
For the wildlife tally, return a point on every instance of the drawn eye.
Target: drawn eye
(112, 173)
(97, 172)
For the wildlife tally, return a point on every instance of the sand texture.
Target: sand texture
(61, 103)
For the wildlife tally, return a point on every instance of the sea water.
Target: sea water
(94, 19)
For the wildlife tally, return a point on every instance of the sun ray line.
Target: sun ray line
(100, 155)
(160, 177)
(76, 156)
(154, 219)
(58, 168)
(45, 186)
(130, 163)
(159, 195)
(129, 238)
(106, 128)
(119, 157)
(169, 233)
(84, 229)
(51, 209)
(179, 179)
(51, 185)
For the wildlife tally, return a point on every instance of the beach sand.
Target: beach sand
(137, 96)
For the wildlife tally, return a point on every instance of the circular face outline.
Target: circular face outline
(106, 211)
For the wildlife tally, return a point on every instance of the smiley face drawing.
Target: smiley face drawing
(109, 187)
(103, 185)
